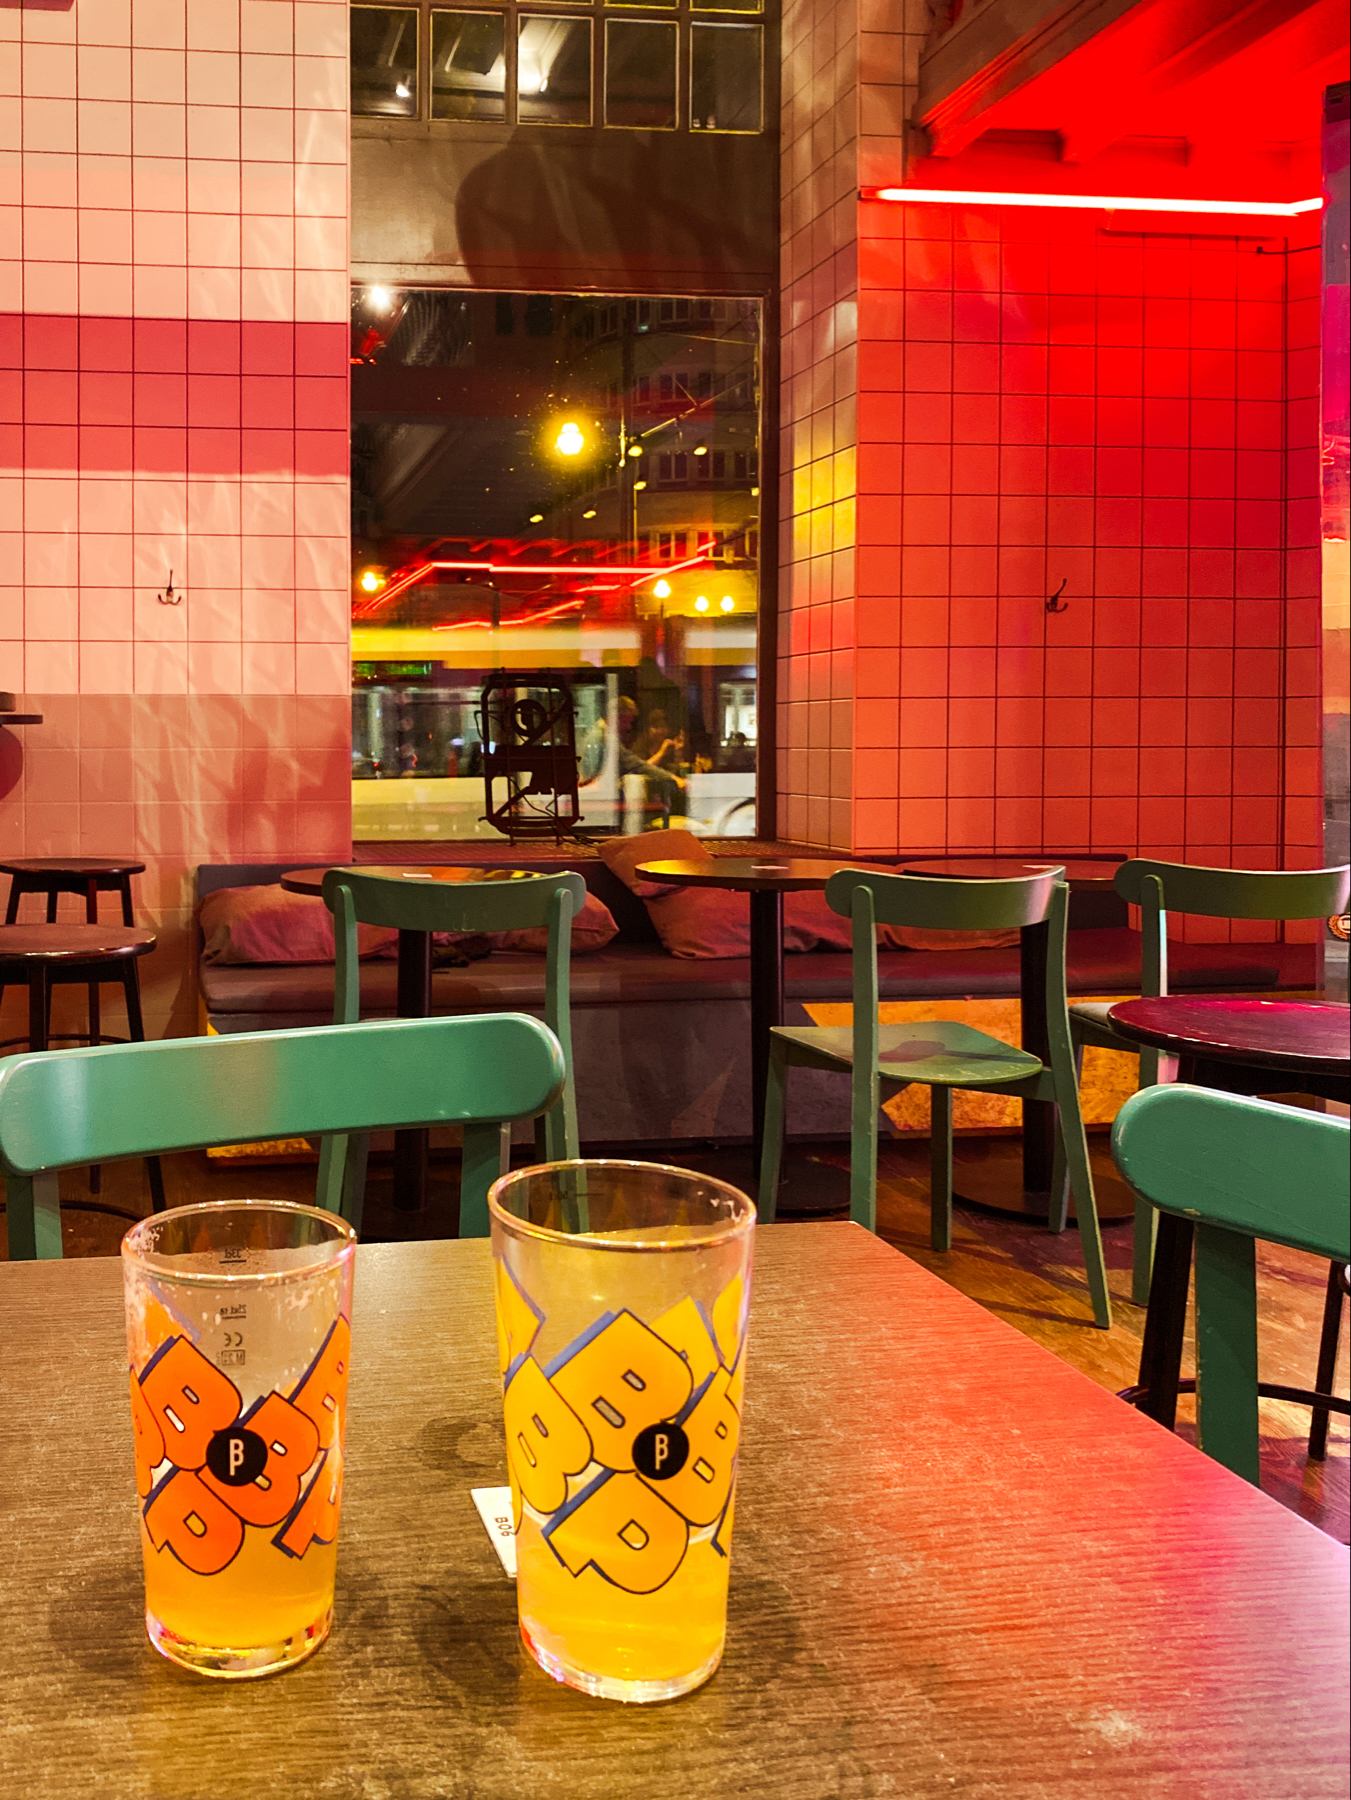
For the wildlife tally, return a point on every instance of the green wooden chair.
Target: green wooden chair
(1240, 1170)
(65, 1108)
(1159, 888)
(552, 901)
(943, 1054)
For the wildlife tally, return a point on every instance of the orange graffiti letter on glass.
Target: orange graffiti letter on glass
(202, 1532)
(190, 1400)
(149, 1439)
(633, 1537)
(622, 1381)
(546, 1441)
(316, 1521)
(322, 1395)
(292, 1440)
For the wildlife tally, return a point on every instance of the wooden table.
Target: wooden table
(959, 1567)
(766, 880)
(1240, 1045)
(413, 996)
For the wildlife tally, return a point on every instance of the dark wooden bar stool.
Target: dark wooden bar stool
(40, 957)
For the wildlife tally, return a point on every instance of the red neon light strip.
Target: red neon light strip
(1258, 209)
(635, 573)
(535, 618)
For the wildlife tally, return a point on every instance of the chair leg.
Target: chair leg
(131, 988)
(771, 1152)
(1070, 1129)
(1058, 1203)
(940, 1168)
(863, 1149)
(33, 1217)
(1142, 1250)
(1226, 1350)
(1327, 1359)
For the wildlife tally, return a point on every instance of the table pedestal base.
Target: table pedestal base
(990, 1175)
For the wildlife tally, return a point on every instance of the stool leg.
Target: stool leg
(124, 887)
(51, 907)
(131, 986)
(37, 1008)
(1327, 1361)
(16, 890)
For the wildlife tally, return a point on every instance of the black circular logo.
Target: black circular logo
(660, 1451)
(236, 1456)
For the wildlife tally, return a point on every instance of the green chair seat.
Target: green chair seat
(933, 1051)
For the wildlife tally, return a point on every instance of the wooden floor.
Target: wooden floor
(1012, 1266)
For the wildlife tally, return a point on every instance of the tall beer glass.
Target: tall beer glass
(238, 1338)
(622, 1297)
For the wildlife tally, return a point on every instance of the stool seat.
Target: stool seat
(78, 867)
(66, 944)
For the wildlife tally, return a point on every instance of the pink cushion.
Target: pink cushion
(268, 925)
(592, 929)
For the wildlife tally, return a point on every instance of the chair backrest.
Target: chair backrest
(1159, 888)
(1239, 1169)
(549, 900)
(945, 904)
(868, 899)
(71, 1107)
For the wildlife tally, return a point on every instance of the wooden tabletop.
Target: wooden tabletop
(958, 1567)
(81, 866)
(1300, 1035)
(747, 874)
(311, 881)
(1080, 872)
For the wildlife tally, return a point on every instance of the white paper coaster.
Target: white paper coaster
(494, 1508)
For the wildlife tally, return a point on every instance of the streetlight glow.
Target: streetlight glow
(570, 440)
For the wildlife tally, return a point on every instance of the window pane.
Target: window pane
(725, 78)
(565, 486)
(469, 65)
(640, 75)
(553, 71)
(384, 62)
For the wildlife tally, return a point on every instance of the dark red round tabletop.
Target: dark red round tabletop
(1299, 1035)
(1079, 871)
(72, 943)
(311, 881)
(81, 866)
(749, 874)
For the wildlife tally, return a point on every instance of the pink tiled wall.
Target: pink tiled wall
(173, 396)
(981, 404)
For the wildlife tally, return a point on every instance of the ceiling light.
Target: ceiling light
(635, 449)
(638, 486)
(537, 518)
(701, 449)
(590, 514)
(1260, 209)
(570, 439)
(701, 604)
(371, 581)
(662, 590)
(402, 90)
(379, 299)
(727, 603)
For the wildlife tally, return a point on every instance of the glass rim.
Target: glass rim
(165, 1268)
(715, 1237)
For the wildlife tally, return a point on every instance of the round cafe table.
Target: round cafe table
(1241, 1045)
(414, 991)
(766, 879)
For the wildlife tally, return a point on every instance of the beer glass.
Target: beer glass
(622, 1296)
(238, 1338)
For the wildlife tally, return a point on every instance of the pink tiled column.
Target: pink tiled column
(173, 397)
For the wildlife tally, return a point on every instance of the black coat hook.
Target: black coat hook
(169, 597)
(1051, 606)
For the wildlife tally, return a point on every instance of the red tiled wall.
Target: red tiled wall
(1041, 400)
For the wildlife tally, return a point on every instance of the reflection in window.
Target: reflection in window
(469, 65)
(553, 71)
(640, 75)
(728, 6)
(384, 62)
(725, 78)
(565, 484)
